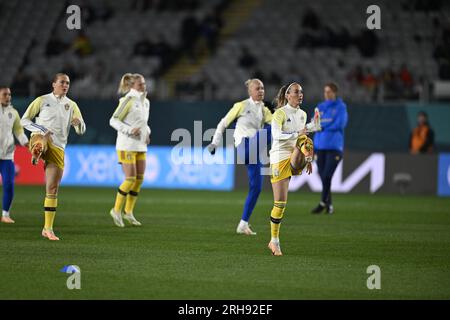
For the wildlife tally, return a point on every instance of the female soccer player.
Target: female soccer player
(9, 127)
(49, 138)
(133, 135)
(291, 152)
(251, 115)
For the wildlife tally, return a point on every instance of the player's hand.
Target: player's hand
(212, 148)
(136, 132)
(309, 168)
(75, 122)
(317, 119)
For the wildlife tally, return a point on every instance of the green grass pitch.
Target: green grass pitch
(187, 248)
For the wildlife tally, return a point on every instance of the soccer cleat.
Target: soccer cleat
(49, 234)
(117, 218)
(131, 219)
(306, 146)
(7, 220)
(36, 153)
(318, 209)
(330, 209)
(245, 230)
(275, 248)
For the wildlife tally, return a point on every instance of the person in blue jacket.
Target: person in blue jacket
(329, 143)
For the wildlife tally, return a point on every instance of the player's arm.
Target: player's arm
(119, 114)
(149, 131)
(234, 113)
(32, 111)
(77, 120)
(18, 131)
(267, 115)
(279, 118)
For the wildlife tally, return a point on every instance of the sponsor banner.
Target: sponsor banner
(368, 173)
(98, 166)
(444, 174)
(372, 166)
(26, 173)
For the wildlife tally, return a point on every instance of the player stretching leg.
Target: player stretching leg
(250, 116)
(48, 140)
(291, 152)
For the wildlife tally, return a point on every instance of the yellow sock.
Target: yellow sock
(124, 188)
(275, 218)
(50, 204)
(133, 194)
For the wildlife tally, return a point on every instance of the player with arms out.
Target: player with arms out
(291, 152)
(251, 116)
(133, 135)
(54, 113)
(9, 127)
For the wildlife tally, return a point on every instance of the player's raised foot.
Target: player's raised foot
(36, 153)
(306, 146)
(49, 234)
(275, 248)
(245, 229)
(7, 220)
(131, 219)
(330, 209)
(320, 207)
(117, 218)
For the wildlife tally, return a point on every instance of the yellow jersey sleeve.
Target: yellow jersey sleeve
(33, 109)
(279, 117)
(267, 115)
(234, 113)
(81, 128)
(17, 126)
(123, 108)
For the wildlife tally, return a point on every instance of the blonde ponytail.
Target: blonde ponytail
(127, 82)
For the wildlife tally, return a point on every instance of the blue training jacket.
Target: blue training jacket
(333, 119)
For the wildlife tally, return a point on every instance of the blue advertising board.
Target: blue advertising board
(193, 168)
(444, 174)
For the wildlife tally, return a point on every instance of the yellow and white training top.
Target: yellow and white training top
(132, 112)
(55, 114)
(251, 117)
(9, 125)
(287, 123)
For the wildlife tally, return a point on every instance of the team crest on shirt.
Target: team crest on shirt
(10, 115)
(66, 106)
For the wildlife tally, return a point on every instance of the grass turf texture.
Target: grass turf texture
(187, 248)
